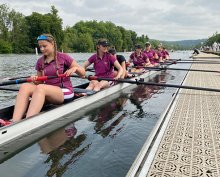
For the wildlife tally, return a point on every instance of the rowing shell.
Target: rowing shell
(59, 113)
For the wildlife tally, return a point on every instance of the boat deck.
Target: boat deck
(188, 143)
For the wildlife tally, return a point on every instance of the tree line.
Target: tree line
(214, 38)
(18, 33)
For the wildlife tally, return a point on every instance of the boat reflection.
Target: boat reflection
(145, 92)
(108, 117)
(63, 145)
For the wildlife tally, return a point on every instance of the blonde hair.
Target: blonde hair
(101, 40)
(52, 40)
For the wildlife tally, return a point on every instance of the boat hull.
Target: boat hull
(28, 126)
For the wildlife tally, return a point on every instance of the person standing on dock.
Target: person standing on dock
(54, 91)
(104, 64)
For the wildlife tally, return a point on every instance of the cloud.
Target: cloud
(163, 20)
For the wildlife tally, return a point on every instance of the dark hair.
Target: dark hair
(112, 51)
(103, 42)
(147, 44)
(138, 46)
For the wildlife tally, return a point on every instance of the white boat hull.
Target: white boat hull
(28, 126)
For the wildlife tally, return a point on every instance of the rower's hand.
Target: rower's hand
(116, 77)
(33, 78)
(70, 71)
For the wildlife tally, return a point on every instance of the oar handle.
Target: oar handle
(30, 79)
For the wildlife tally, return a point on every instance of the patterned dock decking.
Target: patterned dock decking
(190, 143)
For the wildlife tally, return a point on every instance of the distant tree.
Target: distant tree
(84, 43)
(142, 39)
(5, 47)
(4, 22)
(214, 38)
(19, 39)
(48, 23)
(70, 40)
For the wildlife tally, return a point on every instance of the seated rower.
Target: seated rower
(139, 59)
(159, 53)
(103, 63)
(53, 91)
(166, 55)
(151, 54)
(122, 61)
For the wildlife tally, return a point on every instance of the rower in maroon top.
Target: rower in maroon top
(139, 59)
(122, 61)
(54, 91)
(165, 54)
(151, 54)
(159, 53)
(103, 63)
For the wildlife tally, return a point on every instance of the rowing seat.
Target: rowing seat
(88, 92)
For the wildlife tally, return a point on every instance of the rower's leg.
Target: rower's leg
(51, 94)
(100, 85)
(92, 84)
(25, 92)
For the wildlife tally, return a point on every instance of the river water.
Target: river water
(104, 141)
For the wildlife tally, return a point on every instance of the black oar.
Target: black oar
(188, 62)
(140, 82)
(9, 89)
(192, 60)
(180, 69)
(90, 69)
(19, 77)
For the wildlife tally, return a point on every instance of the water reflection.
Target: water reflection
(63, 148)
(107, 117)
(145, 92)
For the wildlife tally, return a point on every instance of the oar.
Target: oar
(9, 89)
(90, 69)
(180, 69)
(19, 77)
(140, 82)
(188, 62)
(192, 60)
(20, 81)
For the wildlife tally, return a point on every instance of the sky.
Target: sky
(159, 19)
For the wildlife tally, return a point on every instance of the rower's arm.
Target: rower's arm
(86, 64)
(147, 60)
(76, 68)
(120, 69)
(123, 65)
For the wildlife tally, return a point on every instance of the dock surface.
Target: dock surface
(189, 140)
